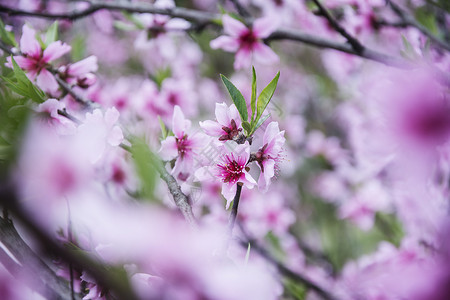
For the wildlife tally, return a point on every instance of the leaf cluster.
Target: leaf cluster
(258, 105)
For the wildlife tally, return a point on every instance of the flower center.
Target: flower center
(247, 39)
(231, 170)
(231, 131)
(183, 146)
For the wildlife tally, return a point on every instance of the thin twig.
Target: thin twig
(234, 209)
(356, 45)
(180, 199)
(283, 269)
(411, 21)
(201, 17)
(23, 253)
(241, 9)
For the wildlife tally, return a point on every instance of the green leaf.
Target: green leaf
(145, 163)
(264, 98)
(427, 19)
(237, 98)
(247, 255)
(253, 101)
(163, 128)
(24, 86)
(7, 36)
(52, 34)
(260, 122)
(78, 47)
(247, 127)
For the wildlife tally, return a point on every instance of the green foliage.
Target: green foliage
(52, 34)
(145, 162)
(427, 18)
(19, 83)
(78, 47)
(258, 107)
(294, 289)
(237, 98)
(6, 36)
(408, 51)
(265, 97)
(14, 113)
(161, 75)
(253, 99)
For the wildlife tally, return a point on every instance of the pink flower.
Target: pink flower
(268, 156)
(180, 146)
(231, 169)
(228, 125)
(80, 73)
(100, 131)
(35, 60)
(246, 41)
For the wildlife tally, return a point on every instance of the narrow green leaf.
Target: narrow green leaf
(52, 34)
(163, 128)
(264, 98)
(24, 86)
(78, 47)
(247, 127)
(247, 255)
(7, 36)
(237, 98)
(144, 161)
(253, 101)
(260, 122)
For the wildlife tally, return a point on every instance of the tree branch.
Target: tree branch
(284, 270)
(180, 199)
(234, 209)
(356, 45)
(53, 286)
(204, 18)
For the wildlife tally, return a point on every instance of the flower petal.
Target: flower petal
(28, 43)
(177, 24)
(264, 54)
(47, 82)
(242, 59)
(169, 149)
(87, 65)
(228, 191)
(222, 114)
(55, 50)
(264, 178)
(263, 27)
(232, 26)
(226, 43)
(211, 128)
(179, 123)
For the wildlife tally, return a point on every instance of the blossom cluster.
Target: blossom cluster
(134, 170)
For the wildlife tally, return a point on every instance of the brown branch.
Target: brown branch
(53, 286)
(234, 209)
(204, 18)
(180, 199)
(295, 35)
(356, 45)
(283, 269)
